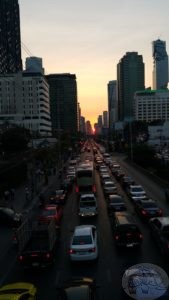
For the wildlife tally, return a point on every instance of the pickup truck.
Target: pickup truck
(160, 232)
(37, 243)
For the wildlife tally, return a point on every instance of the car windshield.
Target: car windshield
(129, 228)
(117, 201)
(59, 192)
(88, 198)
(87, 203)
(82, 240)
(109, 184)
(47, 213)
(137, 189)
(149, 205)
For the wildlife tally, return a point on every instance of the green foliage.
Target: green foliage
(15, 139)
(143, 155)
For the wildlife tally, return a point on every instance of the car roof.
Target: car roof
(124, 218)
(83, 229)
(163, 220)
(77, 292)
(87, 195)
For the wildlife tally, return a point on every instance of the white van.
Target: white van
(88, 205)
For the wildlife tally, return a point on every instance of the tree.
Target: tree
(15, 139)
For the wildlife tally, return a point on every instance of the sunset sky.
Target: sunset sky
(88, 38)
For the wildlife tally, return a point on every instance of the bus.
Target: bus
(85, 179)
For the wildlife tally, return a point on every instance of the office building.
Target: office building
(63, 102)
(112, 103)
(105, 119)
(10, 41)
(24, 101)
(100, 121)
(130, 78)
(160, 65)
(34, 65)
(151, 105)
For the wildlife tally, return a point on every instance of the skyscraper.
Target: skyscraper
(63, 102)
(34, 65)
(130, 78)
(112, 102)
(160, 65)
(10, 42)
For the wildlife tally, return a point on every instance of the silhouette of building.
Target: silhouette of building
(63, 102)
(10, 41)
(130, 78)
(160, 65)
(112, 103)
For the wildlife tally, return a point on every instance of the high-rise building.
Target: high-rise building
(105, 119)
(160, 65)
(10, 41)
(34, 64)
(24, 101)
(100, 121)
(130, 78)
(63, 102)
(82, 124)
(112, 102)
(89, 130)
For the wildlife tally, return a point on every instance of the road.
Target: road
(109, 268)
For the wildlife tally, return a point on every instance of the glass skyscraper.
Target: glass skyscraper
(130, 78)
(160, 65)
(10, 41)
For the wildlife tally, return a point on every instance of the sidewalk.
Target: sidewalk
(22, 203)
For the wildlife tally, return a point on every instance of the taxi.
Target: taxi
(18, 291)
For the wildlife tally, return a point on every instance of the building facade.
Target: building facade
(112, 103)
(150, 105)
(34, 65)
(160, 65)
(24, 101)
(10, 41)
(105, 118)
(63, 102)
(130, 78)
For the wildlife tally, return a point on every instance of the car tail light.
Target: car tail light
(140, 235)
(92, 250)
(144, 212)
(160, 212)
(34, 254)
(47, 255)
(168, 246)
(129, 234)
(94, 188)
(71, 251)
(116, 237)
(21, 257)
(77, 189)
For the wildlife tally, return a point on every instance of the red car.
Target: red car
(51, 212)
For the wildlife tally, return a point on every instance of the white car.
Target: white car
(83, 245)
(136, 192)
(87, 205)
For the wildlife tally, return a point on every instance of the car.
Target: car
(126, 232)
(119, 174)
(77, 288)
(105, 177)
(126, 181)
(84, 244)
(88, 205)
(50, 212)
(10, 217)
(109, 188)
(136, 192)
(116, 203)
(159, 228)
(148, 209)
(18, 291)
(58, 197)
